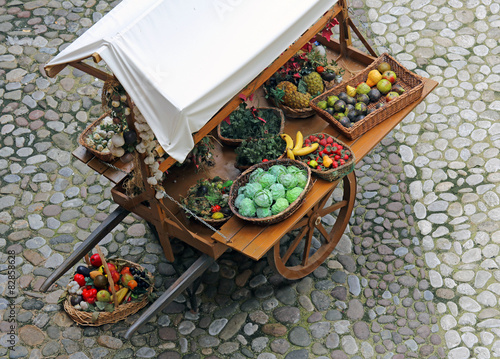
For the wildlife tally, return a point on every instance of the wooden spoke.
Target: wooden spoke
(307, 248)
(323, 232)
(308, 225)
(332, 208)
(294, 245)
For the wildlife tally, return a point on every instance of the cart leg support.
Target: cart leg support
(185, 280)
(94, 238)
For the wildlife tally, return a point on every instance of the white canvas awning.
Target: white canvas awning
(182, 60)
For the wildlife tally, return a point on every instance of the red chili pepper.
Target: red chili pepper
(89, 295)
(95, 260)
(216, 208)
(80, 279)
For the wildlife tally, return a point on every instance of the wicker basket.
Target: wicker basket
(106, 157)
(243, 180)
(238, 141)
(411, 82)
(121, 312)
(211, 221)
(335, 174)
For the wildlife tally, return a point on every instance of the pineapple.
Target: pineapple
(314, 83)
(293, 98)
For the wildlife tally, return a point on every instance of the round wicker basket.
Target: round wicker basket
(121, 312)
(106, 157)
(334, 174)
(243, 180)
(213, 222)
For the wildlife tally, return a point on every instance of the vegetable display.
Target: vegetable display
(253, 151)
(208, 199)
(247, 122)
(90, 289)
(270, 192)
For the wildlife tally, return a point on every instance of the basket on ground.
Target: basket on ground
(334, 174)
(106, 156)
(237, 141)
(412, 84)
(243, 179)
(121, 312)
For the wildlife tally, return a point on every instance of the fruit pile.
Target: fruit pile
(90, 289)
(270, 192)
(320, 151)
(208, 198)
(351, 106)
(296, 83)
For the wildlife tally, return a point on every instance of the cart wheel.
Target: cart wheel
(295, 258)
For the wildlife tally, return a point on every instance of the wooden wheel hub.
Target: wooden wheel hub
(317, 221)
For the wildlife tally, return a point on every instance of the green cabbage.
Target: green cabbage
(251, 189)
(293, 194)
(293, 169)
(279, 206)
(241, 190)
(266, 180)
(255, 175)
(237, 201)
(247, 208)
(301, 179)
(263, 198)
(277, 191)
(276, 170)
(264, 212)
(288, 180)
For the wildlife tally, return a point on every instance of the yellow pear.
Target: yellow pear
(351, 91)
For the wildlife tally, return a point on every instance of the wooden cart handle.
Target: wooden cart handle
(108, 272)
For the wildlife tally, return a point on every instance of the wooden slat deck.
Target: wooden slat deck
(97, 165)
(255, 241)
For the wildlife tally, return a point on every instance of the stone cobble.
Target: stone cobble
(415, 276)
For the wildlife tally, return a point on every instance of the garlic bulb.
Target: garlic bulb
(118, 140)
(152, 181)
(117, 151)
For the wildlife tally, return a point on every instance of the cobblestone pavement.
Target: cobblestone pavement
(417, 276)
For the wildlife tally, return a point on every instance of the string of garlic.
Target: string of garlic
(148, 146)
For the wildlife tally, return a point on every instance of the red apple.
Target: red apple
(391, 96)
(389, 76)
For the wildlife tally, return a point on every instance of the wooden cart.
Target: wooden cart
(253, 241)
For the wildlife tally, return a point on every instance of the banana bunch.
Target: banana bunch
(298, 149)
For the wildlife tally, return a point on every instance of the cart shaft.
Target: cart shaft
(94, 238)
(185, 280)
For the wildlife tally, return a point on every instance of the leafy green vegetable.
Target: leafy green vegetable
(279, 206)
(301, 179)
(277, 191)
(255, 175)
(247, 208)
(276, 170)
(237, 201)
(288, 180)
(251, 189)
(266, 180)
(251, 151)
(263, 198)
(245, 123)
(293, 194)
(264, 212)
